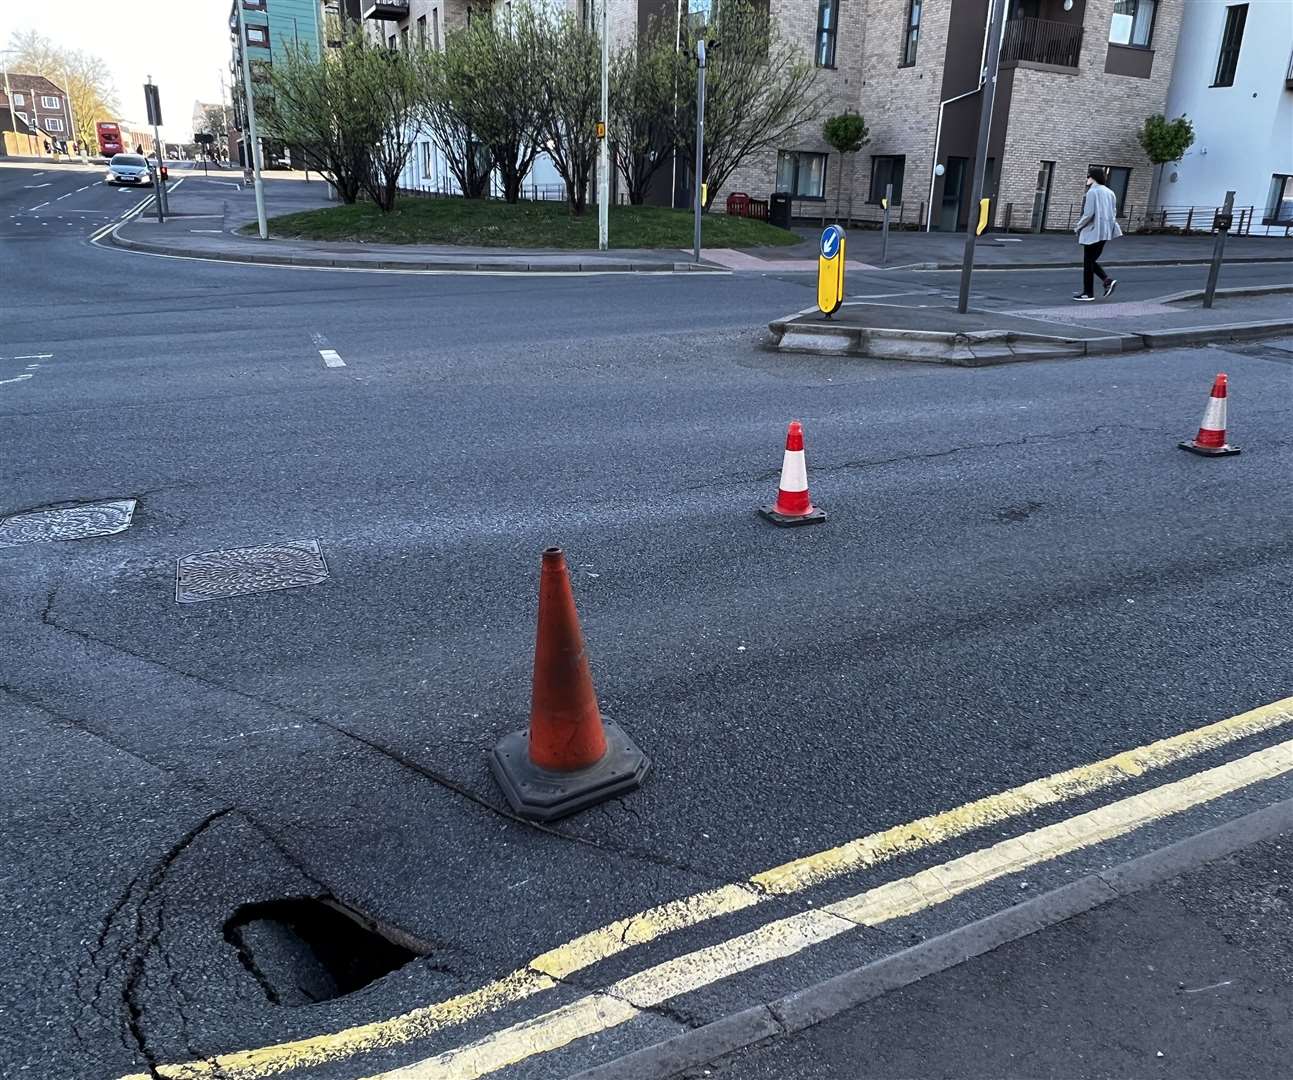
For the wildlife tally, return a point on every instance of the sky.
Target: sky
(184, 46)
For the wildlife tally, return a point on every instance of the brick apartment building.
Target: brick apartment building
(1077, 79)
(40, 103)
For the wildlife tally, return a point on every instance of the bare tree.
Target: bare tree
(503, 78)
(571, 94)
(645, 77)
(314, 103)
(445, 112)
(83, 75)
(388, 87)
(759, 89)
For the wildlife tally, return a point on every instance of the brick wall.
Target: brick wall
(797, 22)
(1084, 119)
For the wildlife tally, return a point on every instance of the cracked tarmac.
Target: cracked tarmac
(170, 764)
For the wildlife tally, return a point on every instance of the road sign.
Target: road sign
(154, 104)
(830, 270)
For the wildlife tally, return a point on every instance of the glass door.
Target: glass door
(949, 214)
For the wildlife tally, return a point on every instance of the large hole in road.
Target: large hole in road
(304, 950)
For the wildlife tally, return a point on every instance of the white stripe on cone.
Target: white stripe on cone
(1214, 416)
(794, 471)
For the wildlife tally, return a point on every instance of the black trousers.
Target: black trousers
(1090, 268)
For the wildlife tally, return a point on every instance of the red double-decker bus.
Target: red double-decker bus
(109, 138)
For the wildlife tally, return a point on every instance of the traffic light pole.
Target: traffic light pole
(981, 152)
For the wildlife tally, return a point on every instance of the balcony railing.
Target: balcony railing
(386, 9)
(1041, 41)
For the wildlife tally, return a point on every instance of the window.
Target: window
(802, 175)
(404, 39)
(1231, 37)
(828, 13)
(1279, 207)
(253, 5)
(911, 36)
(18, 99)
(47, 102)
(21, 116)
(700, 13)
(886, 170)
(391, 43)
(435, 27)
(422, 31)
(52, 123)
(258, 35)
(1132, 23)
(1116, 179)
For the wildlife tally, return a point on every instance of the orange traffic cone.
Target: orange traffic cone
(793, 506)
(1211, 439)
(571, 758)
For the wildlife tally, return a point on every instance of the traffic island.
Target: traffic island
(942, 335)
(938, 336)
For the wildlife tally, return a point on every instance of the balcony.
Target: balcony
(386, 9)
(1041, 41)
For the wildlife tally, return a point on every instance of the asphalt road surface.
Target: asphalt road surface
(1020, 574)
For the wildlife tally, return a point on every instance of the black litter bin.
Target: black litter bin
(779, 210)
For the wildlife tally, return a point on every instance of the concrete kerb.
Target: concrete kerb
(975, 348)
(805, 1008)
(443, 265)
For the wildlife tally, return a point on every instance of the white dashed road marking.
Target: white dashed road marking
(332, 358)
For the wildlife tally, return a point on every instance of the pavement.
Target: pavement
(927, 329)
(224, 199)
(1027, 611)
(1190, 978)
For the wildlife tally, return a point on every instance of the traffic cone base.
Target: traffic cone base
(545, 795)
(786, 521)
(1225, 450)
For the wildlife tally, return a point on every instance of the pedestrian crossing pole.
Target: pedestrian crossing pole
(981, 153)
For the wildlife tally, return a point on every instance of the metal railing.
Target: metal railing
(1041, 41)
(1180, 220)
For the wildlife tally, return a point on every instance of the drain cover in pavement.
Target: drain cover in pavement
(67, 522)
(213, 575)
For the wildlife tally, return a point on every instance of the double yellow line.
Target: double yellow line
(624, 1000)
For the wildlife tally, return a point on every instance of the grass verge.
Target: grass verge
(481, 223)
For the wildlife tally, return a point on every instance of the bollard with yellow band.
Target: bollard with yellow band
(830, 270)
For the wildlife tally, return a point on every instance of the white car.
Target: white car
(130, 169)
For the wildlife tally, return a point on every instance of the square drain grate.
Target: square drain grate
(215, 575)
(67, 523)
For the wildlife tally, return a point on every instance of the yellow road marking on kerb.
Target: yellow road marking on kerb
(624, 1000)
(596, 945)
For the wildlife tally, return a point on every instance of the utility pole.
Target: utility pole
(13, 119)
(249, 136)
(71, 115)
(604, 151)
(700, 135)
(981, 152)
(1221, 222)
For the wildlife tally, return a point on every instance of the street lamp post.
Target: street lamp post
(700, 136)
(604, 151)
(249, 136)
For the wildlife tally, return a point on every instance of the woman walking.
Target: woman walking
(1097, 226)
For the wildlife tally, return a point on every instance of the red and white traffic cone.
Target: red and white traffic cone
(1211, 439)
(793, 506)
